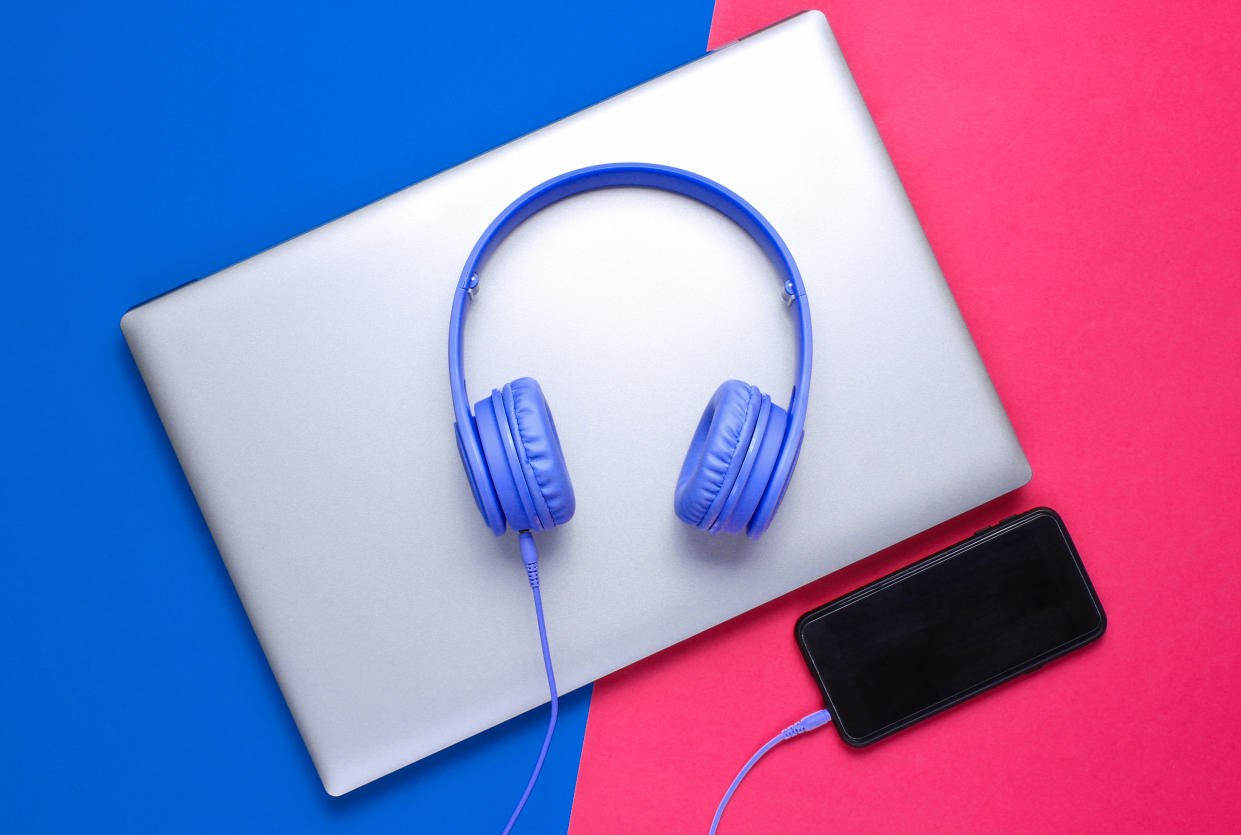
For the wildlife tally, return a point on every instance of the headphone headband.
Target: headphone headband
(644, 175)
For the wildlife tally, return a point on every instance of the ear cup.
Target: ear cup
(758, 483)
(503, 465)
(480, 483)
(717, 453)
(725, 521)
(774, 495)
(541, 460)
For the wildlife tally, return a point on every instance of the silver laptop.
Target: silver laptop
(306, 394)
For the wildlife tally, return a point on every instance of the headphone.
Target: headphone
(744, 449)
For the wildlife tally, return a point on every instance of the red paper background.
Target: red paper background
(1076, 169)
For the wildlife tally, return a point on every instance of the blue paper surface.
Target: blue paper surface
(145, 145)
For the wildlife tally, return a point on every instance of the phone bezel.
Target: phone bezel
(986, 535)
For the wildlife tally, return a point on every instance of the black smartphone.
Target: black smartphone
(929, 636)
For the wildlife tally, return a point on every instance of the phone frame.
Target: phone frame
(985, 535)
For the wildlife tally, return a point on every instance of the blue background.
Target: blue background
(141, 147)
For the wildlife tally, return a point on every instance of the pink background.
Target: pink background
(1076, 169)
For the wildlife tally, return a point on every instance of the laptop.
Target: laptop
(305, 391)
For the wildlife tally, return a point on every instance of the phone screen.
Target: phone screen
(952, 625)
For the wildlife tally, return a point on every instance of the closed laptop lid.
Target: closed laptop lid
(305, 392)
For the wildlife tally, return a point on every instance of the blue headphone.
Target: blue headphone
(744, 449)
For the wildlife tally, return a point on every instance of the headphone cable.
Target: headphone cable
(806, 723)
(530, 556)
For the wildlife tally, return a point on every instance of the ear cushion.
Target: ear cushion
(542, 462)
(502, 464)
(533, 521)
(758, 484)
(728, 519)
(716, 453)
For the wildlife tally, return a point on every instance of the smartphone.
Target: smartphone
(931, 635)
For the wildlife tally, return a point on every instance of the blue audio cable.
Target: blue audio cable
(806, 723)
(530, 556)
